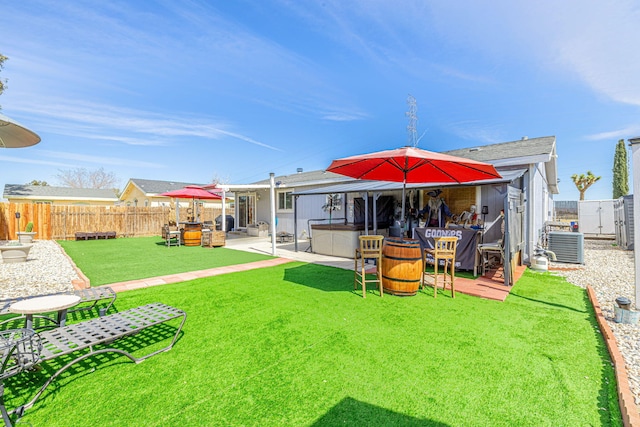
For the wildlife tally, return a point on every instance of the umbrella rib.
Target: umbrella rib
(423, 162)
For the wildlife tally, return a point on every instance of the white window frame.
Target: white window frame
(283, 194)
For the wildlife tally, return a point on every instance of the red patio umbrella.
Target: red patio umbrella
(192, 192)
(413, 165)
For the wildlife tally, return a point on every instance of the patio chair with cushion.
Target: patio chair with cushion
(370, 249)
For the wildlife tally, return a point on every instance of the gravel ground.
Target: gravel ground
(608, 269)
(46, 270)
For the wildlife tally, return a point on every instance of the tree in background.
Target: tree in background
(620, 171)
(83, 178)
(583, 182)
(3, 83)
(219, 179)
(36, 182)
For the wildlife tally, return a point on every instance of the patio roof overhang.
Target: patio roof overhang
(359, 186)
(236, 187)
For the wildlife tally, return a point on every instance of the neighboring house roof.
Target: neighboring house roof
(301, 179)
(46, 192)
(522, 151)
(503, 155)
(155, 187)
(517, 153)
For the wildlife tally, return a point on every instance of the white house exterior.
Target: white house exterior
(538, 158)
(286, 185)
(528, 167)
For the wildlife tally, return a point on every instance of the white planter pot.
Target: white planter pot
(15, 253)
(26, 237)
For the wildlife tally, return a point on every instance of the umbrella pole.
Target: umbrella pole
(402, 222)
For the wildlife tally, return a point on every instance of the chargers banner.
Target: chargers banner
(467, 243)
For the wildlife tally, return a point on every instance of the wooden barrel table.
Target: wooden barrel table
(401, 266)
(192, 234)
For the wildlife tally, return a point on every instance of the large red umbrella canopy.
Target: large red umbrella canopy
(192, 192)
(413, 165)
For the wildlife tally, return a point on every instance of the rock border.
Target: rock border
(82, 282)
(630, 415)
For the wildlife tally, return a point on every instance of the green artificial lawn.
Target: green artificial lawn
(119, 260)
(294, 345)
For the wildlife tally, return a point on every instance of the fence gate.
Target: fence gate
(624, 222)
(596, 217)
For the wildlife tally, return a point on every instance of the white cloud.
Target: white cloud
(477, 131)
(592, 40)
(30, 161)
(114, 47)
(101, 160)
(624, 133)
(128, 126)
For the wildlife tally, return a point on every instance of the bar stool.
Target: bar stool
(444, 249)
(370, 248)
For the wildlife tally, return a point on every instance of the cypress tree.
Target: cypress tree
(620, 171)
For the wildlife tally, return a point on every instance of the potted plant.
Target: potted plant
(26, 236)
(334, 203)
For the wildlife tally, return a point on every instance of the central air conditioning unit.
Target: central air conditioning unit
(568, 246)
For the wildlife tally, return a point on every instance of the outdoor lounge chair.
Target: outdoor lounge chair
(89, 299)
(24, 349)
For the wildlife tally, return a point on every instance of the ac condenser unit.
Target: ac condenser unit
(568, 246)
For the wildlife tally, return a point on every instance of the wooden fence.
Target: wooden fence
(53, 222)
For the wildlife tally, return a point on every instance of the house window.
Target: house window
(285, 201)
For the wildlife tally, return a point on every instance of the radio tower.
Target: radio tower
(413, 120)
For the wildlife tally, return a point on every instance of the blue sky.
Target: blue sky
(232, 90)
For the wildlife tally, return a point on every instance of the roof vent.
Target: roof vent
(299, 170)
(474, 149)
(524, 138)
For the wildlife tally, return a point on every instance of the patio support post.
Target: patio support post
(223, 221)
(365, 196)
(272, 202)
(295, 223)
(635, 155)
(375, 212)
(506, 241)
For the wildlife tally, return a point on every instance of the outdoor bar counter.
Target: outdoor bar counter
(335, 239)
